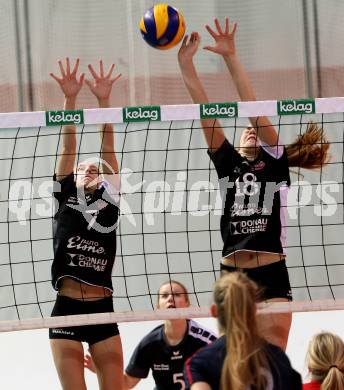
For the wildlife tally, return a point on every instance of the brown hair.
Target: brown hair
(326, 361)
(170, 282)
(235, 296)
(310, 149)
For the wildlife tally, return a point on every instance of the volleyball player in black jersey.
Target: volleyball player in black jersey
(254, 180)
(84, 236)
(240, 359)
(165, 349)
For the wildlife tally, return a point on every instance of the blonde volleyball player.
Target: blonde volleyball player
(240, 359)
(165, 349)
(85, 227)
(325, 362)
(254, 179)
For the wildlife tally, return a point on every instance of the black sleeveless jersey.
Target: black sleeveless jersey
(206, 366)
(84, 233)
(254, 199)
(166, 361)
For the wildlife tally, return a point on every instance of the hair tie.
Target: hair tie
(333, 366)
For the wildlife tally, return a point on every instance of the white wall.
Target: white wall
(270, 38)
(26, 362)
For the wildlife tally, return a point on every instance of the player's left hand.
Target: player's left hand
(224, 39)
(102, 83)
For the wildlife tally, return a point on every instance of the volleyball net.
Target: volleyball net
(170, 208)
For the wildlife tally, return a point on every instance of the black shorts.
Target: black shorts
(272, 280)
(89, 333)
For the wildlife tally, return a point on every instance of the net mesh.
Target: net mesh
(170, 212)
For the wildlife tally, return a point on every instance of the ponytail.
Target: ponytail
(235, 296)
(334, 379)
(326, 361)
(310, 149)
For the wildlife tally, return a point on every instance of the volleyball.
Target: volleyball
(162, 26)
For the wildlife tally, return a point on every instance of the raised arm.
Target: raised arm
(225, 46)
(213, 132)
(70, 85)
(101, 87)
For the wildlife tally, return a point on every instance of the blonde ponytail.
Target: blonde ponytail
(235, 296)
(326, 361)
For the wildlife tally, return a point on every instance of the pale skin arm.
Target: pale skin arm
(225, 46)
(129, 381)
(213, 132)
(200, 386)
(101, 87)
(70, 85)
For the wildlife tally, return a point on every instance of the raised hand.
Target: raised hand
(188, 48)
(101, 85)
(224, 39)
(69, 82)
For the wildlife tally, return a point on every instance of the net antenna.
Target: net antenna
(170, 208)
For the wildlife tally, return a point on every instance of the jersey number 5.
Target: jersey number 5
(179, 378)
